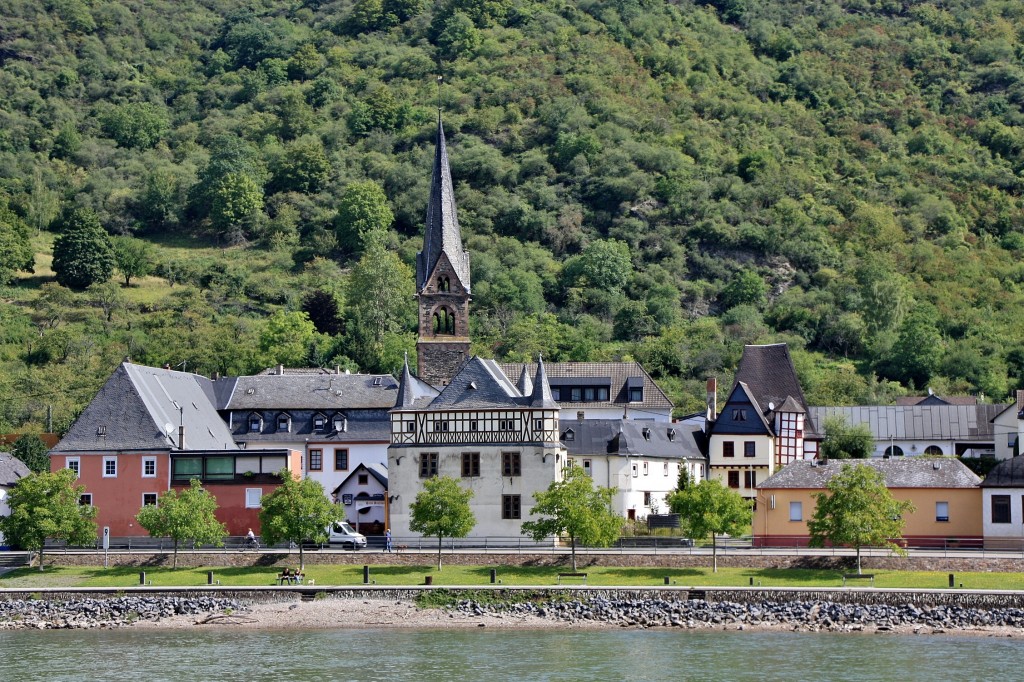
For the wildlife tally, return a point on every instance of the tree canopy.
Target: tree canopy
(843, 441)
(709, 508)
(298, 511)
(442, 510)
(82, 254)
(186, 515)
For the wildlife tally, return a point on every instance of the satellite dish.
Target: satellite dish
(168, 429)
(771, 406)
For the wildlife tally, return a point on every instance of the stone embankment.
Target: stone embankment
(104, 612)
(795, 615)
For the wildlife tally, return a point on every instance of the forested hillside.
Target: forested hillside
(223, 185)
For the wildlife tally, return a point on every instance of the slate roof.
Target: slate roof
(932, 399)
(442, 234)
(1007, 474)
(768, 372)
(12, 470)
(480, 384)
(965, 423)
(412, 392)
(729, 422)
(375, 469)
(359, 428)
(306, 392)
(913, 472)
(618, 373)
(133, 407)
(626, 438)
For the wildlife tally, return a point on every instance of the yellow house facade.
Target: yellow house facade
(946, 495)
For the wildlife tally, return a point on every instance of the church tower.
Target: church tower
(442, 280)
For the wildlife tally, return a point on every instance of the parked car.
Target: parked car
(346, 536)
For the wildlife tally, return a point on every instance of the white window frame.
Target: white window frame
(796, 511)
(647, 469)
(941, 507)
(664, 466)
(156, 495)
(77, 461)
(636, 470)
(82, 496)
(588, 467)
(109, 460)
(145, 461)
(249, 492)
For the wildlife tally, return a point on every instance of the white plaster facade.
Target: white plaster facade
(642, 483)
(1002, 533)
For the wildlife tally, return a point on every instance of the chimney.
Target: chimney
(181, 437)
(337, 369)
(280, 370)
(712, 413)
(216, 376)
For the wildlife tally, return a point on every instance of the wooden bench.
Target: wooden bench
(859, 576)
(290, 578)
(572, 576)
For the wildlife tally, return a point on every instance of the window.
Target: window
(1000, 509)
(647, 499)
(728, 449)
(410, 426)
(148, 499)
(188, 467)
(894, 451)
(580, 415)
(506, 425)
(255, 423)
(339, 424)
(253, 497)
(284, 422)
(428, 464)
(587, 467)
(220, 468)
(556, 393)
(316, 460)
(511, 464)
(149, 467)
(636, 395)
(636, 470)
(440, 425)
(933, 451)
(319, 423)
(341, 459)
(734, 479)
(576, 394)
(110, 467)
(511, 507)
(739, 415)
(942, 511)
(474, 425)
(538, 424)
(664, 469)
(85, 499)
(749, 448)
(796, 511)
(750, 479)
(569, 435)
(470, 464)
(363, 479)
(74, 464)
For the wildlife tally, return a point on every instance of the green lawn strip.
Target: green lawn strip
(606, 576)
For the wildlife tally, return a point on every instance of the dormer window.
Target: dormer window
(671, 435)
(319, 423)
(284, 422)
(255, 423)
(635, 386)
(340, 423)
(647, 435)
(569, 435)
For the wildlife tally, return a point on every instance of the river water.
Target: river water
(449, 655)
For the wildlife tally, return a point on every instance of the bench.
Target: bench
(859, 576)
(290, 578)
(572, 576)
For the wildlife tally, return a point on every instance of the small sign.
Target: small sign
(106, 537)
(346, 499)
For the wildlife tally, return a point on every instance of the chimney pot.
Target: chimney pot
(181, 437)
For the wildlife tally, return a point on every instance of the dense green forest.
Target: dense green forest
(222, 185)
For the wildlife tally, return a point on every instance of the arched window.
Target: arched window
(933, 451)
(444, 284)
(444, 321)
(894, 451)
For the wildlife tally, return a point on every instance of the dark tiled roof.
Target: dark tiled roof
(307, 391)
(480, 384)
(442, 234)
(134, 407)
(742, 415)
(378, 471)
(412, 392)
(769, 373)
(902, 472)
(12, 470)
(968, 423)
(1007, 474)
(292, 371)
(619, 374)
(541, 394)
(933, 399)
(373, 426)
(627, 437)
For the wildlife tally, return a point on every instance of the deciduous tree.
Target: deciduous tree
(364, 216)
(442, 510)
(134, 258)
(843, 441)
(82, 254)
(858, 511)
(45, 505)
(186, 515)
(298, 511)
(711, 508)
(31, 450)
(575, 507)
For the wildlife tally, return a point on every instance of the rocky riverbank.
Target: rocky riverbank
(106, 613)
(804, 616)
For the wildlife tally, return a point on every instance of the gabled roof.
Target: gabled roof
(442, 234)
(12, 470)
(742, 415)
(616, 374)
(768, 372)
(1007, 474)
(139, 406)
(480, 384)
(629, 438)
(913, 472)
(306, 392)
(932, 399)
(964, 423)
(375, 469)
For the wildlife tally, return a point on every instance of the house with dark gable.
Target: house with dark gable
(764, 424)
(149, 430)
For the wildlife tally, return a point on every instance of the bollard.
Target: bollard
(952, 580)
(429, 580)
(494, 576)
(668, 580)
(366, 575)
(142, 577)
(209, 577)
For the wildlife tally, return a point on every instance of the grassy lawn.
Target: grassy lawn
(64, 576)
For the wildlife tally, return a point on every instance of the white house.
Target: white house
(1007, 428)
(363, 495)
(1003, 505)
(12, 470)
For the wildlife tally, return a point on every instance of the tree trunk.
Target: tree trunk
(41, 548)
(175, 565)
(572, 538)
(438, 552)
(302, 558)
(858, 560)
(714, 553)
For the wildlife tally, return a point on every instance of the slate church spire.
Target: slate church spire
(442, 279)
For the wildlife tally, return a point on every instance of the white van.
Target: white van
(346, 536)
